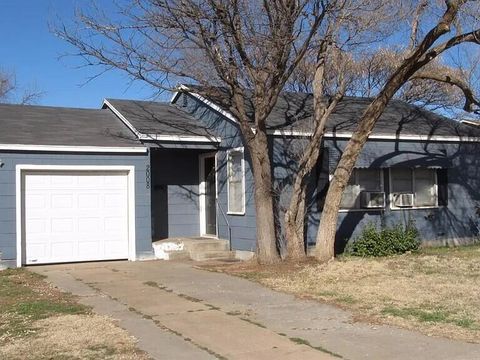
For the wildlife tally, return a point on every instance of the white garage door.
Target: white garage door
(75, 216)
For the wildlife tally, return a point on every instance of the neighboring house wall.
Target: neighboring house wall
(8, 188)
(175, 193)
(243, 227)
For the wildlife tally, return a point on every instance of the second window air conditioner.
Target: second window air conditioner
(372, 199)
(403, 200)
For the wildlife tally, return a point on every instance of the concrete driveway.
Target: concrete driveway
(179, 312)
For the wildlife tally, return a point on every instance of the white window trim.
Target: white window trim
(201, 191)
(382, 187)
(21, 168)
(241, 150)
(391, 193)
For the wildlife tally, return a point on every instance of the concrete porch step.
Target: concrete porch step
(206, 245)
(197, 249)
(212, 255)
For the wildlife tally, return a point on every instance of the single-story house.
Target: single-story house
(85, 184)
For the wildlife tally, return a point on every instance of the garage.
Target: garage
(72, 215)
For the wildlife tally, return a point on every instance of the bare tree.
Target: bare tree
(6, 85)
(249, 48)
(350, 25)
(448, 32)
(10, 92)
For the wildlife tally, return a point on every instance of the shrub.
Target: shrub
(387, 241)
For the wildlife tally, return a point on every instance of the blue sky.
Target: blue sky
(31, 51)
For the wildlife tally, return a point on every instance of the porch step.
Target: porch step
(197, 249)
(212, 255)
(177, 255)
(199, 245)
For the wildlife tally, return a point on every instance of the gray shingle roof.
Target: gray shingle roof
(43, 125)
(293, 111)
(151, 117)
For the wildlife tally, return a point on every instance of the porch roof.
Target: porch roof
(160, 122)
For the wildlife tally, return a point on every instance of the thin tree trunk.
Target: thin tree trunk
(294, 224)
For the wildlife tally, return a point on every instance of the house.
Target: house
(82, 185)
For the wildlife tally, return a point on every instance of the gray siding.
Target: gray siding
(243, 227)
(175, 193)
(456, 223)
(8, 196)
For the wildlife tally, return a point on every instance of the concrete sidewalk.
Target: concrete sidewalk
(179, 312)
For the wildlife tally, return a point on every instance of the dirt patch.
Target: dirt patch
(436, 291)
(74, 337)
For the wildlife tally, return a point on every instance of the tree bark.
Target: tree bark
(295, 222)
(267, 252)
(421, 56)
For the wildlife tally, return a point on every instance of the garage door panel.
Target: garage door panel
(88, 225)
(88, 201)
(77, 216)
(38, 251)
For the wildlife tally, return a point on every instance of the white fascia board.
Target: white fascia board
(160, 137)
(434, 138)
(174, 97)
(181, 138)
(121, 117)
(214, 106)
(289, 133)
(347, 135)
(63, 148)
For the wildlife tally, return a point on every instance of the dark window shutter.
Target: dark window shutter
(323, 177)
(442, 179)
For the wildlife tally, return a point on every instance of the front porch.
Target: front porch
(184, 205)
(183, 193)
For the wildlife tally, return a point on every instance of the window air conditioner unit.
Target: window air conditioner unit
(403, 200)
(372, 199)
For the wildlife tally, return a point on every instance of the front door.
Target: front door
(210, 208)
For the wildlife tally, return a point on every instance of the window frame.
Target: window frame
(243, 204)
(391, 193)
(382, 189)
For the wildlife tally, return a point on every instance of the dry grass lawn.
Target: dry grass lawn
(37, 321)
(436, 291)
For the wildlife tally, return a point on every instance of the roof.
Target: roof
(58, 126)
(293, 111)
(151, 118)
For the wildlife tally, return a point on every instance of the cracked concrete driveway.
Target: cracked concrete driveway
(179, 312)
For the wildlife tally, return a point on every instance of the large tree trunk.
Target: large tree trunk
(325, 246)
(421, 56)
(267, 252)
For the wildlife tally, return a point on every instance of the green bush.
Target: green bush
(387, 241)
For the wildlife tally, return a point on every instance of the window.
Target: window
(364, 181)
(420, 183)
(236, 181)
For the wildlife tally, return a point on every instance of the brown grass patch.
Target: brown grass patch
(38, 321)
(74, 337)
(436, 291)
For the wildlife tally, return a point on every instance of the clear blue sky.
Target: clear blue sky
(29, 49)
